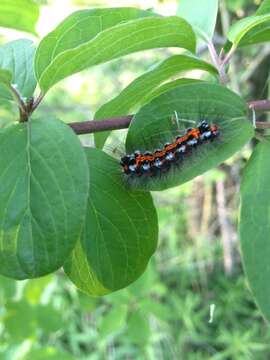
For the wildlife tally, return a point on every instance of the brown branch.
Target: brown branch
(262, 124)
(87, 127)
(259, 105)
(22, 107)
(122, 122)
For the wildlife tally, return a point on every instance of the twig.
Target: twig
(228, 57)
(262, 125)
(21, 103)
(87, 127)
(217, 62)
(217, 41)
(37, 102)
(225, 23)
(214, 55)
(259, 105)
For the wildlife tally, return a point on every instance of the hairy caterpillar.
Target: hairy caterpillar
(160, 161)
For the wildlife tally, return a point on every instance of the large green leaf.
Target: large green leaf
(5, 78)
(43, 192)
(120, 234)
(19, 14)
(135, 93)
(5, 86)
(264, 8)
(79, 28)
(57, 59)
(154, 125)
(17, 57)
(250, 30)
(168, 86)
(254, 226)
(202, 15)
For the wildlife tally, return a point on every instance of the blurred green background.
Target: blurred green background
(166, 313)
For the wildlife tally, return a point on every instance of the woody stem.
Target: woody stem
(123, 122)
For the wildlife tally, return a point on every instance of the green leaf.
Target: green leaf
(43, 192)
(19, 320)
(143, 286)
(17, 60)
(19, 14)
(5, 77)
(202, 15)
(113, 321)
(120, 233)
(138, 328)
(254, 226)
(7, 289)
(87, 304)
(48, 318)
(168, 86)
(34, 288)
(250, 30)
(78, 29)
(264, 8)
(155, 124)
(5, 84)
(120, 297)
(58, 59)
(158, 309)
(137, 91)
(47, 353)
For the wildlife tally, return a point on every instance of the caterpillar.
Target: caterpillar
(149, 163)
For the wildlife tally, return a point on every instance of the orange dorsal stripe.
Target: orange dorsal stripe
(193, 132)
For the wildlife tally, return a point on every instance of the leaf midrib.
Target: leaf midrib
(106, 34)
(29, 171)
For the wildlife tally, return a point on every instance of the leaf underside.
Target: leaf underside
(201, 15)
(17, 57)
